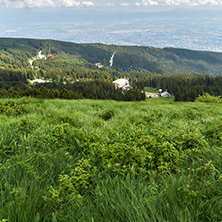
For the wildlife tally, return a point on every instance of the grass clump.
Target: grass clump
(107, 115)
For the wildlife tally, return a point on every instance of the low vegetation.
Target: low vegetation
(94, 160)
(209, 99)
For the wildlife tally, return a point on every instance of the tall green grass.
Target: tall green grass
(90, 160)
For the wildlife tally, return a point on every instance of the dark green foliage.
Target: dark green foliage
(80, 90)
(73, 68)
(107, 115)
(184, 87)
(16, 52)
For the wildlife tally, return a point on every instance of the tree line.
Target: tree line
(79, 90)
(185, 87)
(95, 83)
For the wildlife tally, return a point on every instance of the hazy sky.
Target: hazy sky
(108, 3)
(158, 23)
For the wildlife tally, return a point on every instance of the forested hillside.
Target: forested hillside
(162, 61)
(88, 70)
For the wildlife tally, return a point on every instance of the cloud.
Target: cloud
(10, 31)
(210, 2)
(149, 2)
(88, 3)
(43, 3)
(27, 3)
(105, 3)
(70, 3)
(192, 2)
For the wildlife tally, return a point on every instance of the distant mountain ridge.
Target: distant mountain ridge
(154, 60)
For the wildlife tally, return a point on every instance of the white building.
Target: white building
(165, 94)
(122, 84)
(38, 81)
(99, 65)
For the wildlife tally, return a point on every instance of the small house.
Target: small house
(99, 65)
(165, 94)
(38, 81)
(159, 91)
(122, 84)
(50, 55)
(151, 95)
(126, 88)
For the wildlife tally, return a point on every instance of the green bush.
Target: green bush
(207, 98)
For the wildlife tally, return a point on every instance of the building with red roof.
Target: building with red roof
(50, 55)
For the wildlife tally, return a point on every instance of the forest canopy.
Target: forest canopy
(85, 69)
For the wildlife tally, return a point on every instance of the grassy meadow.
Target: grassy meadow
(108, 161)
(150, 89)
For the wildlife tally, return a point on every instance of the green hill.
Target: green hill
(14, 53)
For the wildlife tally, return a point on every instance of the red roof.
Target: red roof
(50, 55)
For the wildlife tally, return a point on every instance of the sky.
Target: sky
(191, 24)
(136, 4)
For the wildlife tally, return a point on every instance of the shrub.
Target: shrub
(71, 187)
(207, 98)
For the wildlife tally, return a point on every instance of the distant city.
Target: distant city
(197, 30)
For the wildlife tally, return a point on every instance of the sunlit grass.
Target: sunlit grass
(90, 160)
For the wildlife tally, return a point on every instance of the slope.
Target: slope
(14, 53)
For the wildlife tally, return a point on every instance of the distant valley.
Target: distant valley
(190, 29)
